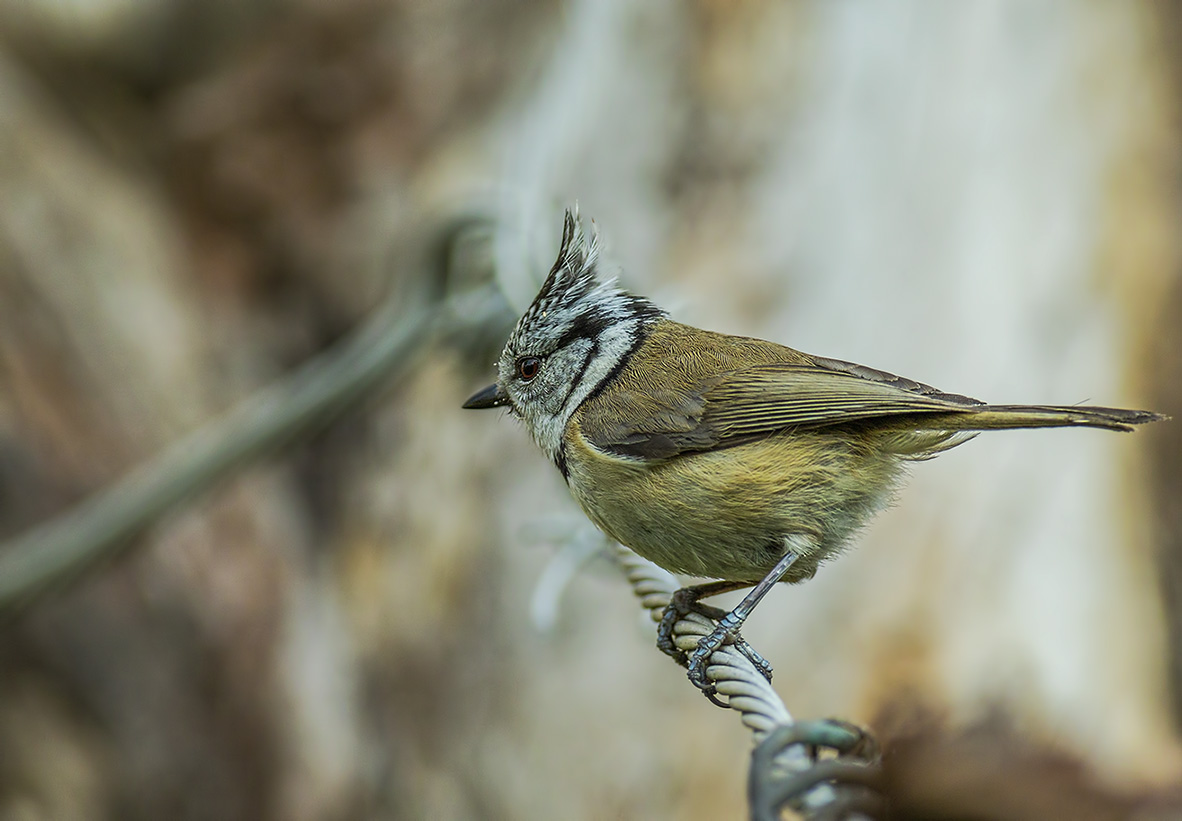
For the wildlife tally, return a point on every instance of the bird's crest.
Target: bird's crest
(575, 301)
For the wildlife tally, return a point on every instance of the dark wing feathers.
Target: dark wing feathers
(654, 425)
(737, 406)
(770, 398)
(875, 375)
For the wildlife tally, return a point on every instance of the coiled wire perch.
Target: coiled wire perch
(785, 771)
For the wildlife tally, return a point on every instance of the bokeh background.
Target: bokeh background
(197, 196)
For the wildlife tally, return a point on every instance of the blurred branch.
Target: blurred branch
(57, 551)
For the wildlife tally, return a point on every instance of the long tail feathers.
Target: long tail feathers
(999, 417)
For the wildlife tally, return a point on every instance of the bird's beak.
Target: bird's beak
(490, 397)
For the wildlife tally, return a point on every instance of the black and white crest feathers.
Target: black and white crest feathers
(582, 327)
(574, 301)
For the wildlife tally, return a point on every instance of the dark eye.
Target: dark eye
(528, 367)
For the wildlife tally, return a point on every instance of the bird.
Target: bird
(722, 457)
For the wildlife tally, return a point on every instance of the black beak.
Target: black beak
(490, 397)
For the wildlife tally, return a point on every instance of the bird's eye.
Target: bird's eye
(528, 367)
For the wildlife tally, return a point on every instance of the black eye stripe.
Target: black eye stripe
(581, 370)
(588, 325)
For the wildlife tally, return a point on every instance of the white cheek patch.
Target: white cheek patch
(588, 367)
(582, 327)
(615, 343)
(546, 431)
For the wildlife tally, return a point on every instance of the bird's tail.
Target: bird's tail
(1002, 417)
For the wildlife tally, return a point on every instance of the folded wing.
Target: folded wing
(742, 405)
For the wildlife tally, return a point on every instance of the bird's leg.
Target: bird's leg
(729, 625)
(686, 601)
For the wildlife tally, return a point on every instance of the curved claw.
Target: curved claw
(665, 634)
(757, 661)
(681, 604)
(700, 658)
(711, 694)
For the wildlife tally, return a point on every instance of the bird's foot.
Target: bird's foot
(726, 631)
(682, 603)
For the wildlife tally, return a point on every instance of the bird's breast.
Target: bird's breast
(724, 513)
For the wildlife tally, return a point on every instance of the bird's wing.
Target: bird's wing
(738, 406)
(770, 398)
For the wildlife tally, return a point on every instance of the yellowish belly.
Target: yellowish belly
(724, 514)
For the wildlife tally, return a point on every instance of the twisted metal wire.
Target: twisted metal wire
(744, 687)
(737, 680)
